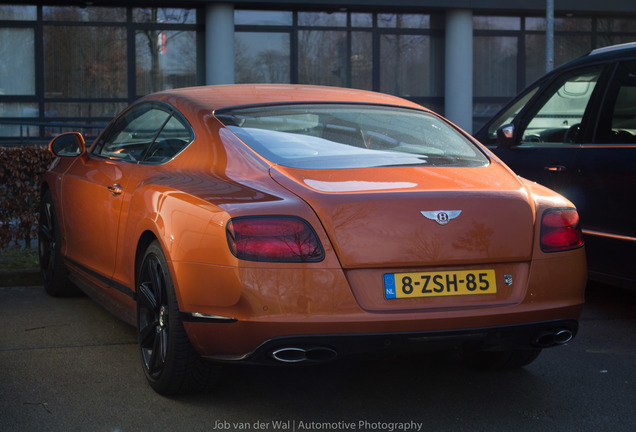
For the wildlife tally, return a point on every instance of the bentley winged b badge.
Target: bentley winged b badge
(442, 217)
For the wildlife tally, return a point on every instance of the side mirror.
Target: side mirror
(68, 145)
(506, 136)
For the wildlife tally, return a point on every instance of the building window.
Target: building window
(404, 21)
(263, 18)
(81, 65)
(393, 53)
(513, 50)
(261, 57)
(83, 14)
(17, 68)
(495, 66)
(165, 59)
(164, 16)
(322, 19)
(85, 62)
(165, 49)
(322, 57)
(18, 13)
(88, 64)
(407, 62)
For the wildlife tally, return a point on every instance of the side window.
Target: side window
(618, 120)
(508, 116)
(561, 109)
(173, 138)
(148, 133)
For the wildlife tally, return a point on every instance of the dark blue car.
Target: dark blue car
(574, 130)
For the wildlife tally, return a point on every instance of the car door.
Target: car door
(548, 130)
(607, 164)
(94, 187)
(607, 173)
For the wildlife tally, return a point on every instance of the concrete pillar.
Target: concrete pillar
(459, 68)
(219, 43)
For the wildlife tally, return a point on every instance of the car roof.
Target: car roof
(599, 55)
(618, 49)
(608, 53)
(235, 95)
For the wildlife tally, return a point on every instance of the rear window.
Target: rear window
(327, 136)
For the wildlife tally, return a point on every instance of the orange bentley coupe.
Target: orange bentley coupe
(292, 223)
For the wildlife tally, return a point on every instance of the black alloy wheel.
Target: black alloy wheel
(52, 268)
(169, 360)
(153, 317)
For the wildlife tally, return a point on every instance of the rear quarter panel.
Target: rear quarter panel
(186, 204)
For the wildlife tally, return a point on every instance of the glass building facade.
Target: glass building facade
(66, 67)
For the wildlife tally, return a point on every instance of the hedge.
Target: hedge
(20, 171)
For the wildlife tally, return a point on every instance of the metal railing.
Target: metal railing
(46, 130)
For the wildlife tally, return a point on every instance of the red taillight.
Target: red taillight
(560, 230)
(273, 239)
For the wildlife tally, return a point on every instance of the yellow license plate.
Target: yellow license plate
(437, 284)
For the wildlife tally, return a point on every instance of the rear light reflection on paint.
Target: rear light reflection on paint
(273, 239)
(560, 230)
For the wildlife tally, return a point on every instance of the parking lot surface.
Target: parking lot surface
(68, 365)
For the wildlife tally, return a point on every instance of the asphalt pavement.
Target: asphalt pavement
(68, 365)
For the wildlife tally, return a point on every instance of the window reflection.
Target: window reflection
(496, 23)
(361, 60)
(560, 24)
(18, 130)
(495, 57)
(407, 67)
(322, 57)
(105, 110)
(85, 62)
(261, 57)
(165, 16)
(414, 21)
(18, 13)
(338, 19)
(572, 24)
(165, 60)
(17, 54)
(361, 19)
(85, 54)
(616, 25)
(264, 18)
(566, 48)
(84, 14)
(18, 110)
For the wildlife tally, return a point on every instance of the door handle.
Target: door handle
(115, 189)
(555, 168)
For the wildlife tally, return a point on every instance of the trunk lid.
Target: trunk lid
(374, 216)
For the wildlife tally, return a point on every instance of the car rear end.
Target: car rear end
(389, 246)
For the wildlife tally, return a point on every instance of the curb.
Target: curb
(25, 277)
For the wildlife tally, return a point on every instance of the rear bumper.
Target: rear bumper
(319, 348)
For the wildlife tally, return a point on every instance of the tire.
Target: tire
(499, 360)
(52, 268)
(170, 362)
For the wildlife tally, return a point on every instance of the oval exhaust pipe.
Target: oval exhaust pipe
(289, 355)
(563, 336)
(553, 337)
(297, 354)
(321, 354)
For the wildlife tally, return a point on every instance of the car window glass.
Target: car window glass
(324, 136)
(173, 138)
(621, 127)
(508, 115)
(558, 118)
(134, 132)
